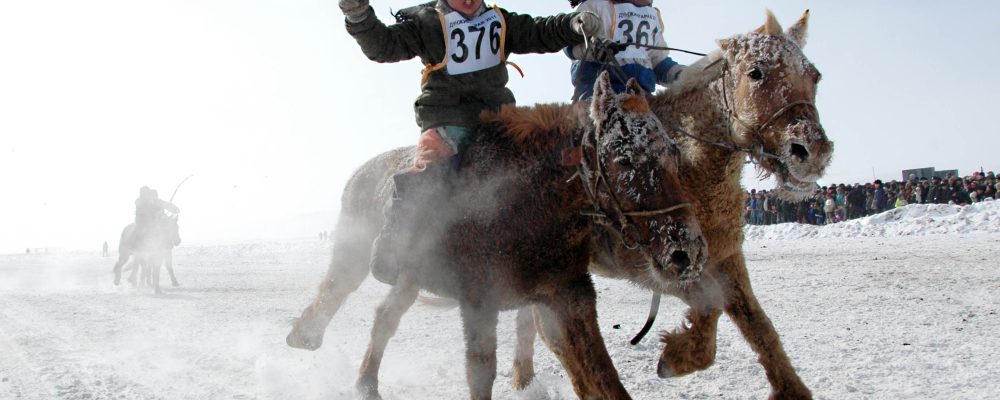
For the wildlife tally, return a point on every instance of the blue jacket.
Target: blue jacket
(585, 73)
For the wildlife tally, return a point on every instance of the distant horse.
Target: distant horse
(516, 232)
(754, 97)
(149, 254)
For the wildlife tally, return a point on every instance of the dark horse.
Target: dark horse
(518, 233)
(151, 251)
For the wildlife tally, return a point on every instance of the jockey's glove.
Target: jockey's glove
(603, 50)
(586, 23)
(355, 10)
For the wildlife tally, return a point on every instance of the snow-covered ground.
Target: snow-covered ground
(897, 306)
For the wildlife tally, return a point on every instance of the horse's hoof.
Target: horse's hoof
(524, 374)
(800, 394)
(368, 391)
(663, 370)
(175, 284)
(298, 342)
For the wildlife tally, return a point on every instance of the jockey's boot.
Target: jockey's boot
(394, 236)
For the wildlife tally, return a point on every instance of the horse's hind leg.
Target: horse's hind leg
(744, 310)
(568, 325)
(524, 363)
(387, 317)
(348, 268)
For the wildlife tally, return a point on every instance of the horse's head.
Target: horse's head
(635, 181)
(173, 230)
(769, 87)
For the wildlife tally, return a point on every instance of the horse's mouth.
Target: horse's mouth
(683, 267)
(788, 183)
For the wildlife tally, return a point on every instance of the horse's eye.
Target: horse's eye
(755, 74)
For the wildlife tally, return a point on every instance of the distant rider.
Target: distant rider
(150, 211)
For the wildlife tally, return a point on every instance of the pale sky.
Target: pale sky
(271, 105)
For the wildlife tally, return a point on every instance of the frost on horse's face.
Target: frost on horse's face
(770, 88)
(640, 164)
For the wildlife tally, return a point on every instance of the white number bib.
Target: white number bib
(473, 45)
(636, 25)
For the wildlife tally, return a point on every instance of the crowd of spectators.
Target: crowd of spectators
(841, 202)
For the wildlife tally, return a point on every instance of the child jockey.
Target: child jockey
(464, 46)
(627, 22)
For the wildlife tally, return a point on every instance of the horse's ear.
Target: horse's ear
(729, 47)
(798, 31)
(771, 27)
(633, 88)
(602, 96)
(726, 44)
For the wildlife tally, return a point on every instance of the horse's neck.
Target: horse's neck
(519, 177)
(699, 110)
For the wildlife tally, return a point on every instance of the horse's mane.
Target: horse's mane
(541, 127)
(698, 75)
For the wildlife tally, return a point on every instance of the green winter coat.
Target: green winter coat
(458, 99)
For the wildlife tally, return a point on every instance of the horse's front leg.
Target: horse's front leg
(568, 325)
(524, 363)
(348, 268)
(691, 347)
(170, 268)
(480, 325)
(122, 260)
(139, 270)
(387, 317)
(744, 310)
(155, 275)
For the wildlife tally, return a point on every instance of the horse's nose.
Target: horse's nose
(799, 151)
(681, 259)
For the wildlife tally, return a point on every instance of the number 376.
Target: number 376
(463, 53)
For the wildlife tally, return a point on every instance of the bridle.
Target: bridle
(614, 217)
(755, 150)
(624, 225)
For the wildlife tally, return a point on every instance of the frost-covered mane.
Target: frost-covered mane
(699, 74)
(542, 126)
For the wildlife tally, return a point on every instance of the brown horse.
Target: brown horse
(518, 233)
(148, 253)
(754, 97)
